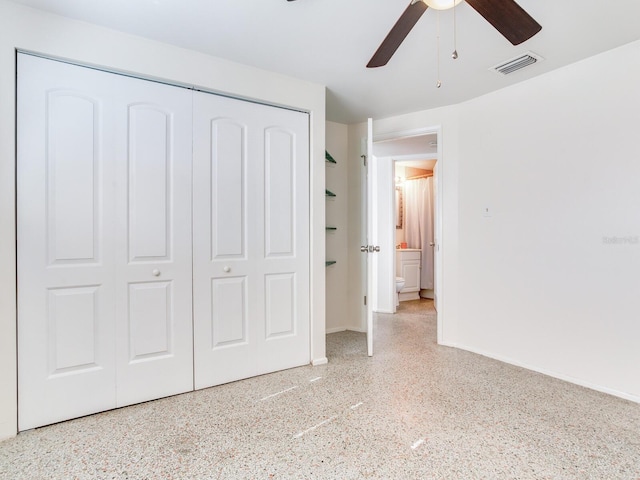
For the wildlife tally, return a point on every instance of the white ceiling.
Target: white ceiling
(330, 42)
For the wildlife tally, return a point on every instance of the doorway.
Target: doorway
(388, 151)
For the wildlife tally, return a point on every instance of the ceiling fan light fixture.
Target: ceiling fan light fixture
(441, 4)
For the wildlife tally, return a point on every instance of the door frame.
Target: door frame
(438, 183)
(386, 283)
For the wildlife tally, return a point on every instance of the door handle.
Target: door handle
(364, 248)
(431, 244)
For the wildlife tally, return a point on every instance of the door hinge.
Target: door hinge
(365, 299)
(364, 159)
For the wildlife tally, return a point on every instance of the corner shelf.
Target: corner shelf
(329, 194)
(328, 158)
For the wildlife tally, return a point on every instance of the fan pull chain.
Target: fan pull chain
(454, 55)
(439, 83)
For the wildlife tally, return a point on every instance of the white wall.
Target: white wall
(555, 159)
(336, 181)
(28, 29)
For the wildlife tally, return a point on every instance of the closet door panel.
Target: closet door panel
(73, 176)
(150, 183)
(150, 321)
(228, 184)
(154, 343)
(228, 312)
(280, 293)
(253, 158)
(279, 154)
(222, 270)
(104, 241)
(282, 326)
(66, 257)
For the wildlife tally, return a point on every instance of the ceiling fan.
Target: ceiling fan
(506, 16)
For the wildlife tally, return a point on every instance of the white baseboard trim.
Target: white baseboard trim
(383, 311)
(404, 296)
(549, 373)
(319, 361)
(335, 330)
(344, 329)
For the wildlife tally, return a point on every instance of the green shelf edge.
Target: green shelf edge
(329, 193)
(331, 228)
(330, 262)
(329, 158)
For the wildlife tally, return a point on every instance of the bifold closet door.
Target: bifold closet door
(104, 241)
(251, 239)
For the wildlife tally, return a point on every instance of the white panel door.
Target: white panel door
(154, 339)
(66, 255)
(103, 187)
(251, 239)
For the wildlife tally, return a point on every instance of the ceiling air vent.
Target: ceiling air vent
(517, 63)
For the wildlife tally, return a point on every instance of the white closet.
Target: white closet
(250, 239)
(109, 304)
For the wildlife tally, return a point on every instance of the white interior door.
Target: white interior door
(154, 339)
(436, 240)
(370, 228)
(104, 274)
(251, 239)
(66, 262)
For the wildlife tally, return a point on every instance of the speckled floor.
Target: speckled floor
(413, 411)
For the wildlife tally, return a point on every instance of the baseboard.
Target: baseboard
(319, 361)
(405, 296)
(427, 293)
(455, 345)
(359, 330)
(335, 330)
(549, 373)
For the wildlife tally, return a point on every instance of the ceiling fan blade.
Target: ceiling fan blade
(508, 18)
(397, 34)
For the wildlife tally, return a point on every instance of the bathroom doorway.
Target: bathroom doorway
(414, 230)
(404, 149)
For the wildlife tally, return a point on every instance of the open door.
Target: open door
(436, 239)
(369, 248)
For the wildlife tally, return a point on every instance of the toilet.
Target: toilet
(399, 286)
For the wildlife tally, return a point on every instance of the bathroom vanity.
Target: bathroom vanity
(408, 267)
